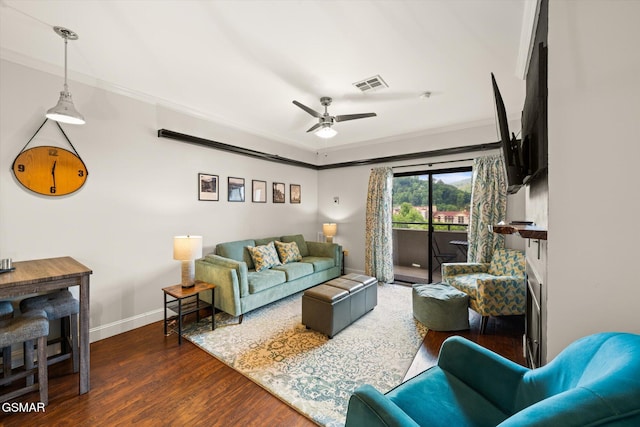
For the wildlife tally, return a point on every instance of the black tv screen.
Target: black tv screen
(534, 115)
(510, 145)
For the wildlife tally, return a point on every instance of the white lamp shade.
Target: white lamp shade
(187, 248)
(330, 229)
(65, 112)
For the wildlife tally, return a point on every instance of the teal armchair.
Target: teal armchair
(594, 382)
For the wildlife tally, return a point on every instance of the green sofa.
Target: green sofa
(240, 288)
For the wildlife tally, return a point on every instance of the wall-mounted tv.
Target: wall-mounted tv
(525, 159)
(534, 116)
(511, 151)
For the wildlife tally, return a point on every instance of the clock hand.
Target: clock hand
(53, 172)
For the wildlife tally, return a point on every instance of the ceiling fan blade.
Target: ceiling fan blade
(308, 110)
(314, 127)
(346, 117)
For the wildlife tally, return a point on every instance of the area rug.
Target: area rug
(314, 374)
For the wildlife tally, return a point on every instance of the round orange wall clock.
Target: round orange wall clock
(50, 171)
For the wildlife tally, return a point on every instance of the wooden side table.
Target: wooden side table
(186, 301)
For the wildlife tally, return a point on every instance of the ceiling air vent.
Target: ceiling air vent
(371, 84)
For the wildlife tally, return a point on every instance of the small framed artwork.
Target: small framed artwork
(294, 193)
(235, 189)
(258, 191)
(208, 187)
(278, 192)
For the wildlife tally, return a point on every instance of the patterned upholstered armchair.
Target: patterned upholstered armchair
(495, 289)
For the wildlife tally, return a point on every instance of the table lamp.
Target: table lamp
(330, 230)
(187, 249)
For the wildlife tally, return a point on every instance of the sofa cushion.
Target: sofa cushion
(264, 257)
(319, 263)
(299, 239)
(507, 262)
(237, 251)
(265, 279)
(288, 252)
(295, 270)
(265, 241)
(468, 283)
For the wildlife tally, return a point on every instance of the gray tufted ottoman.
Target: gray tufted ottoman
(440, 307)
(334, 305)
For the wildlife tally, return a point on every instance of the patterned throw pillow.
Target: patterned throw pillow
(264, 257)
(288, 252)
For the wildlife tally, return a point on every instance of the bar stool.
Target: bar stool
(26, 329)
(59, 305)
(6, 313)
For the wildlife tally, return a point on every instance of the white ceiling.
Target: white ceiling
(242, 63)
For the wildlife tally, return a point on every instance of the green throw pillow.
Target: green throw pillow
(288, 252)
(264, 257)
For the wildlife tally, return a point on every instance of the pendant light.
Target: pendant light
(64, 111)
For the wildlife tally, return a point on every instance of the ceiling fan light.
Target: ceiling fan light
(326, 132)
(64, 111)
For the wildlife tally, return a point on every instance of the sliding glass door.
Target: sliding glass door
(430, 220)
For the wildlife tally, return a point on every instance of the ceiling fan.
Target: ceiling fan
(325, 121)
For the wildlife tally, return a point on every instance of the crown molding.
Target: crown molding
(527, 36)
(165, 133)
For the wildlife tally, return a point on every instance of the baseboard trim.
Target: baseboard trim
(124, 325)
(98, 333)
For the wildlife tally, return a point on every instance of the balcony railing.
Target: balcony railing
(411, 247)
(449, 226)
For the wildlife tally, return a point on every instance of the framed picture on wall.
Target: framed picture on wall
(278, 192)
(258, 191)
(294, 193)
(235, 189)
(208, 187)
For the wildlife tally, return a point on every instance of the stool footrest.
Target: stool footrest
(17, 376)
(440, 306)
(17, 393)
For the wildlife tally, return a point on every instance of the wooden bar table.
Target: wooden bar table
(41, 275)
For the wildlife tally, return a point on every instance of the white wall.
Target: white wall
(594, 123)
(141, 191)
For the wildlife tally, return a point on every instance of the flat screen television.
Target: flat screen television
(534, 116)
(511, 149)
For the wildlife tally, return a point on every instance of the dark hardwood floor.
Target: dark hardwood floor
(503, 335)
(143, 378)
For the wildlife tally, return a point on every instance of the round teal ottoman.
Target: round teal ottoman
(440, 307)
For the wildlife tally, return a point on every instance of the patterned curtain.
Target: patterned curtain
(378, 258)
(488, 207)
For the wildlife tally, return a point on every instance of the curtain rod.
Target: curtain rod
(431, 163)
(423, 154)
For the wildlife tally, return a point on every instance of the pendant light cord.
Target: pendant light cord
(66, 88)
